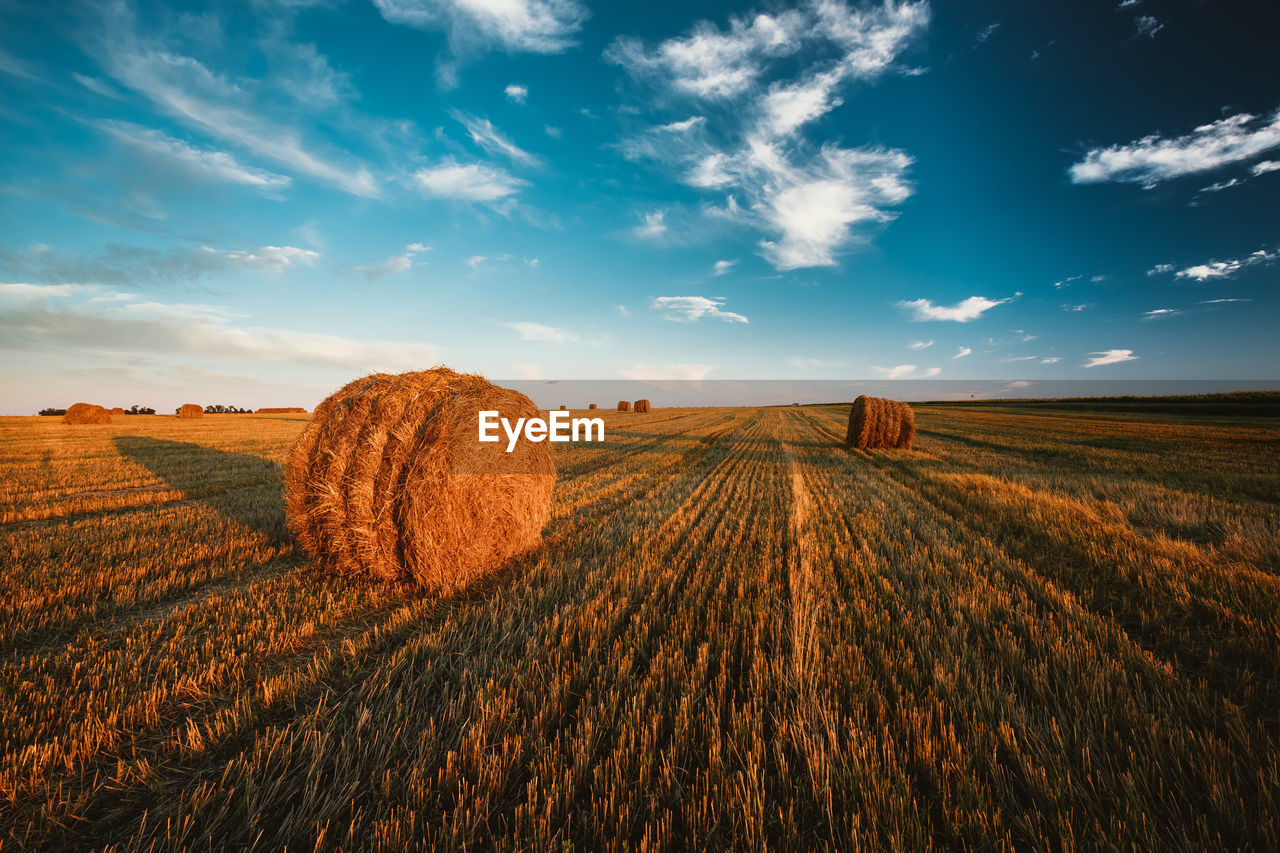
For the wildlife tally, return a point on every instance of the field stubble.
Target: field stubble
(1036, 630)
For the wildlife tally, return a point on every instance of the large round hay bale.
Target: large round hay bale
(624, 405)
(191, 410)
(86, 413)
(118, 410)
(389, 480)
(641, 406)
(875, 422)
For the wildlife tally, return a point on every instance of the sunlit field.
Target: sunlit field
(1039, 629)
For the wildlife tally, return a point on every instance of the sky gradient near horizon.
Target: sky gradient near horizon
(251, 203)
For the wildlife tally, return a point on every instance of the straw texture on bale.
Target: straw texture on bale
(118, 410)
(875, 422)
(191, 410)
(389, 480)
(641, 406)
(86, 413)
(277, 410)
(624, 405)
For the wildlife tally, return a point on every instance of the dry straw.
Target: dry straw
(86, 413)
(641, 406)
(875, 422)
(388, 480)
(624, 405)
(191, 410)
(287, 410)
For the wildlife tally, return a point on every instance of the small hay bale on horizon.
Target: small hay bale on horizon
(117, 410)
(641, 406)
(875, 422)
(191, 410)
(564, 408)
(591, 406)
(624, 405)
(86, 413)
(388, 480)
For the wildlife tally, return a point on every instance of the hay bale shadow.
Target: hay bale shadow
(230, 483)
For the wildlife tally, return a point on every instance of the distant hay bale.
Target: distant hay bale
(286, 410)
(388, 480)
(591, 406)
(117, 411)
(624, 405)
(191, 410)
(564, 408)
(641, 406)
(875, 422)
(86, 413)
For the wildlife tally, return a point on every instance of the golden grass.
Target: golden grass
(1031, 632)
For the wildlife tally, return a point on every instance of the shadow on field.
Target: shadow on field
(242, 487)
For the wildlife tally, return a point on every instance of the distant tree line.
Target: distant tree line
(132, 410)
(226, 410)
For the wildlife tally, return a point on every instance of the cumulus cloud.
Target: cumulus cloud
(468, 182)
(807, 199)
(687, 372)
(527, 26)
(1111, 356)
(1155, 158)
(42, 320)
(693, 308)
(516, 93)
(542, 334)
(962, 312)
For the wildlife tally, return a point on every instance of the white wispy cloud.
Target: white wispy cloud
(962, 352)
(516, 92)
(469, 182)
(1157, 313)
(1066, 282)
(1076, 308)
(98, 86)
(542, 333)
(687, 372)
(133, 266)
(1111, 356)
(920, 344)
(1125, 4)
(488, 137)
(987, 32)
(1217, 269)
(1147, 25)
(900, 371)
(528, 26)
(212, 165)
(395, 264)
(43, 321)
(807, 199)
(962, 312)
(1155, 158)
(1052, 359)
(693, 308)
(20, 68)
(930, 371)
(274, 259)
(723, 267)
(1219, 301)
(1264, 167)
(188, 90)
(654, 226)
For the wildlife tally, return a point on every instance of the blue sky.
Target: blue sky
(253, 202)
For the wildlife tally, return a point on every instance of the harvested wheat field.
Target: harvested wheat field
(1038, 628)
